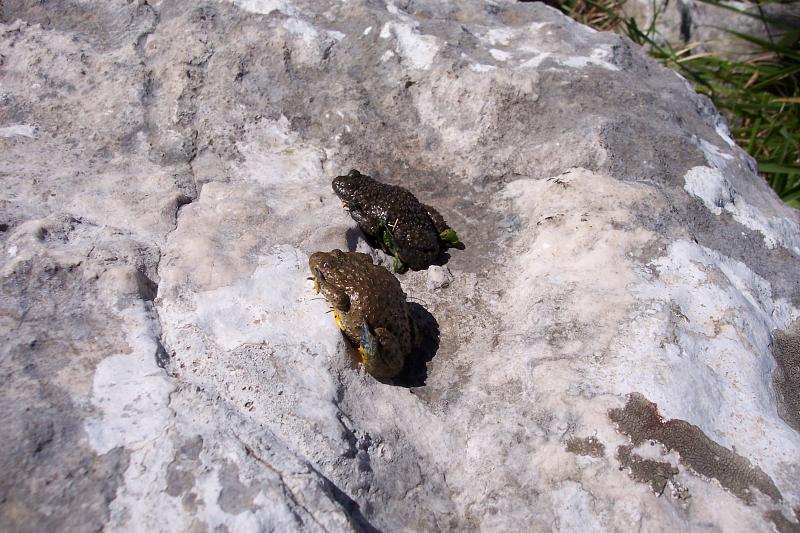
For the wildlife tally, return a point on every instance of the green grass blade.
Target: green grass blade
(776, 168)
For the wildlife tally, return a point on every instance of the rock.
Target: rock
(708, 25)
(439, 277)
(167, 365)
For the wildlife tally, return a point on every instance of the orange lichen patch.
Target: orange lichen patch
(640, 421)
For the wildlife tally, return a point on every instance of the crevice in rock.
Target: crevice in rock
(347, 503)
(148, 289)
(185, 178)
(686, 20)
(145, 9)
(641, 421)
(162, 357)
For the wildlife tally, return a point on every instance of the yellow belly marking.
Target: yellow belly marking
(338, 320)
(363, 355)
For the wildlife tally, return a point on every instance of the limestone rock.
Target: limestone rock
(708, 26)
(166, 173)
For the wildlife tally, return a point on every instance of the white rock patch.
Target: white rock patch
(724, 133)
(479, 67)
(274, 157)
(303, 29)
(130, 390)
(598, 58)
(711, 187)
(413, 47)
(264, 7)
(710, 184)
(575, 510)
(500, 55)
(715, 157)
(500, 36)
(18, 130)
(275, 304)
(701, 351)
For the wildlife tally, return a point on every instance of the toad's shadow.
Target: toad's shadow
(353, 234)
(415, 372)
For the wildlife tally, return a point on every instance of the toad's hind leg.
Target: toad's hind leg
(390, 358)
(390, 245)
(436, 218)
(337, 297)
(366, 224)
(447, 235)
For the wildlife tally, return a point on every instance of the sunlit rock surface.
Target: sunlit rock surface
(617, 346)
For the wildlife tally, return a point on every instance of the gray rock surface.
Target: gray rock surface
(605, 356)
(707, 27)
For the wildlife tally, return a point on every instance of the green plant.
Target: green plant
(759, 94)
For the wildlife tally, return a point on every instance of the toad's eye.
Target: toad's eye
(326, 264)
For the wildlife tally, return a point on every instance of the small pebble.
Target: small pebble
(439, 277)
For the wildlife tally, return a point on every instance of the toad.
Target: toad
(412, 232)
(369, 307)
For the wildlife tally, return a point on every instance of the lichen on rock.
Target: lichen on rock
(640, 421)
(786, 350)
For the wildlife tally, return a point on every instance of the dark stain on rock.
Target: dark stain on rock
(656, 473)
(189, 502)
(235, 497)
(179, 479)
(180, 472)
(148, 289)
(191, 448)
(586, 446)
(786, 379)
(640, 421)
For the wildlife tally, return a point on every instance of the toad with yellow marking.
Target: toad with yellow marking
(369, 307)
